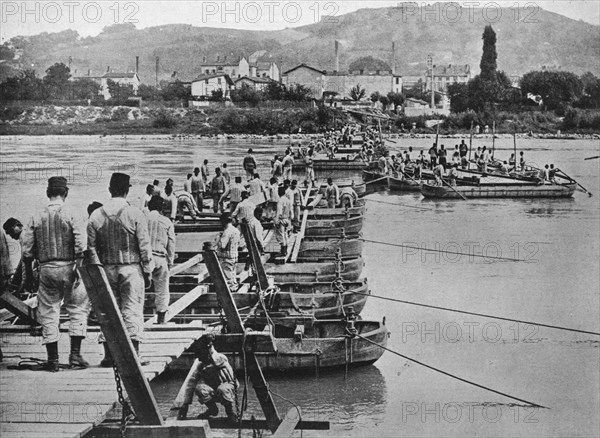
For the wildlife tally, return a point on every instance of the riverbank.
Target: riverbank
(265, 124)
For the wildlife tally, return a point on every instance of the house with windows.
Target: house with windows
(444, 75)
(257, 83)
(121, 78)
(204, 85)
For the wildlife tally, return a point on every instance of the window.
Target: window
(397, 81)
(207, 71)
(206, 81)
(219, 81)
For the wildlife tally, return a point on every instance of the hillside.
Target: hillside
(544, 39)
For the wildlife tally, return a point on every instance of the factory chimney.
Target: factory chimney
(393, 58)
(337, 56)
(137, 64)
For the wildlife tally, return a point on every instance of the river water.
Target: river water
(557, 283)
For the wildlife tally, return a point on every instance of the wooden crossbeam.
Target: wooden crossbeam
(108, 314)
(288, 425)
(177, 269)
(300, 235)
(259, 268)
(19, 308)
(181, 304)
(222, 423)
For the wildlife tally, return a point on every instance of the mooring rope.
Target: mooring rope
(487, 388)
(483, 315)
(396, 204)
(398, 245)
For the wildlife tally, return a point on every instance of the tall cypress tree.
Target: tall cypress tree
(488, 64)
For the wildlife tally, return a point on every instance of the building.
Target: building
(204, 85)
(258, 83)
(233, 67)
(310, 77)
(121, 78)
(446, 75)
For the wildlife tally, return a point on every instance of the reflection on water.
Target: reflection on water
(557, 282)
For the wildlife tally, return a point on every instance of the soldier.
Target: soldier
(198, 187)
(227, 250)
(332, 194)
(162, 239)
(249, 164)
(205, 171)
(217, 188)
(283, 220)
(348, 197)
(56, 239)
(245, 209)
(296, 197)
(310, 171)
(169, 208)
(118, 233)
(235, 194)
(214, 380)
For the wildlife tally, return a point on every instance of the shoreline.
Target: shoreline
(296, 137)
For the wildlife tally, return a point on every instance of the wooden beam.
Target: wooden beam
(288, 425)
(234, 321)
(185, 395)
(108, 314)
(177, 269)
(181, 304)
(19, 308)
(222, 423)
(300, 235)
(259, 268)
(257, 342)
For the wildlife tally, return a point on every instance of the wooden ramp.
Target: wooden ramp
(71, 402)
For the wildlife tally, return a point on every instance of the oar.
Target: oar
(580, 186)
(378, 179)
(592, 158)
(453, 189)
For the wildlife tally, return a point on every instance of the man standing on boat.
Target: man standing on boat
(309, 167)
(198, 187)
(118, 233)
(213, 380)
(162, 239)
(169, 208)
(256, 186)
(56, 239)
(288, 163)
(296, 197)
(433, 155)
(235, 194)
(217, 188)
(463, 149)
(187, 185)
(249, 164)
(332, 194)
(205, 171)
(227, 250)
(272, 198)
(283, 220)
(245, 209)
(277, 168)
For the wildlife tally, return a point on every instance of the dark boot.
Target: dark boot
(136, 346)
(52, 351)
(283, 252)
(107, 362)
(231, 415)
(160, 317)
(211, 411)
(75, 359)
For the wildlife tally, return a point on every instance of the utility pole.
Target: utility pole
(156, 83)
(430, 67)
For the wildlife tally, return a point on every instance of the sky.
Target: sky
(88, 18)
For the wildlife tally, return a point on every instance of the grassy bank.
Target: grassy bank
(210, 121)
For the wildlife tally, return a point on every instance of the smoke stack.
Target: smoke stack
(89, 72)
(218, 58)
(108, 69)
(337, 56)
(393, 58)
(137, 64)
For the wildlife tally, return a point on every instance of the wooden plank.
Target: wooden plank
(18, 308)
(195, 428)
(259, 268)
(181, 304)
(182, 267)
(222, 423)
(300, 235)
(185, 395)
(113, 327)
(6, 314)
(288, 425)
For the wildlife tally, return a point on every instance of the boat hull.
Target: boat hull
(315, 271)
(514, 190)
(405, 185)
(326, 249)
(334, 227)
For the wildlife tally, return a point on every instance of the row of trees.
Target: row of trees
(274, 91)
(554, 90)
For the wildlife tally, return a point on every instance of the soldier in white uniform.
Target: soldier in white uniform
(162, 239)
(118, 233)
(55, 238)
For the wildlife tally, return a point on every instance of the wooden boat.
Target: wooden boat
(375, 178)
(334, 227)
(322, 212)
(500, 190)
(404, 185)
(348, 270)
(328, 248)
(318, 299)
(318, 345)
(349, 162)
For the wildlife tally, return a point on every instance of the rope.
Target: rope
(396, 204)
(398, 245)
(452, 375)
(484, 315)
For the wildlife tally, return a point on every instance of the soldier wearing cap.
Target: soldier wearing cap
(245, 209)
(55, 238)
(227, 249)
(162, 238)
(118, 233)
(213, 380)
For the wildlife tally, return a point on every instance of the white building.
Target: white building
(204, 85)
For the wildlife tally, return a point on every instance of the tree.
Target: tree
(149, 92)
(246, 94)
(591, 89)
(487, 65)
(384, 101)
(56, 81)
(396, 99)
(375, 96)
(119, 93)
(216, 96)
(274, 91)
(25, 86)
(85, 88)
(176, 91)
(298, 93)
(557, 88)
(357, 93)
(459, 97)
